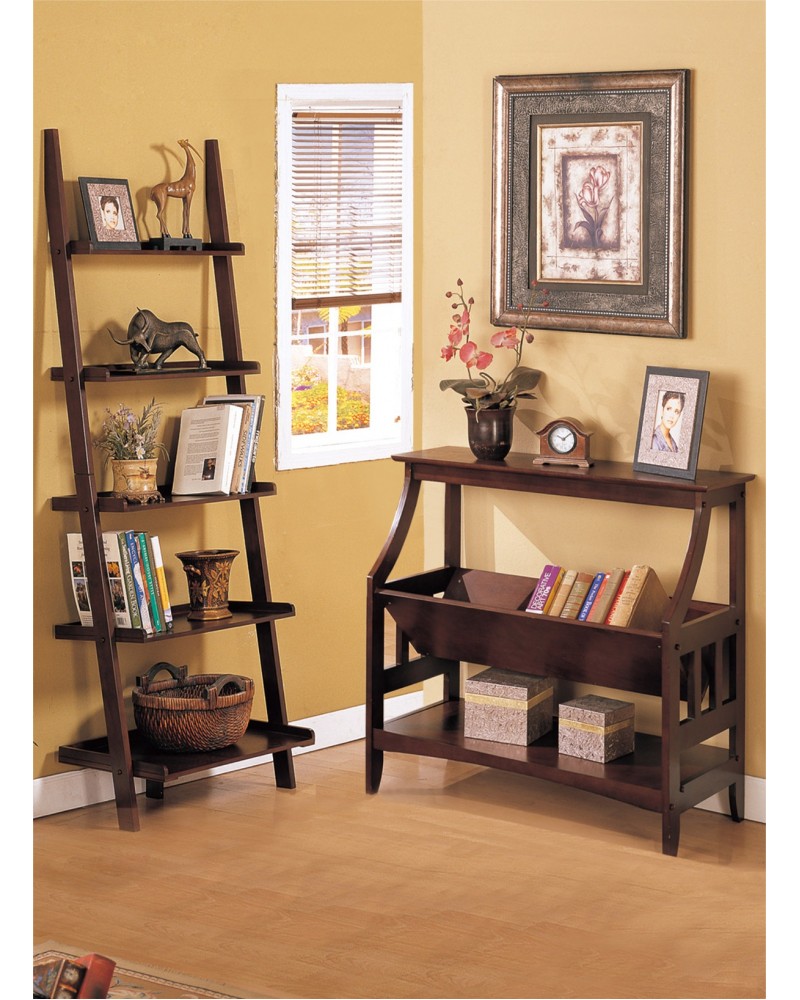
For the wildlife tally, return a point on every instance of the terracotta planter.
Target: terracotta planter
(208, 572)
(135, 480)
(489, 432)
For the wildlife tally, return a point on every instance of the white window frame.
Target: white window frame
(308, 451)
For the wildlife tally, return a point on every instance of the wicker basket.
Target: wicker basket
(201, 712)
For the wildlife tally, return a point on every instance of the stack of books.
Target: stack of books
(217, 445)
(633, 598)
(136, 580)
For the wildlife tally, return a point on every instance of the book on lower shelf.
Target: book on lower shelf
(562, 593)
(207, 446)
(545, 590)
(591, 595)
(642, 601)
(577, 595)
(124, 611)
(161, 581)
(139, 583)
(605, 595)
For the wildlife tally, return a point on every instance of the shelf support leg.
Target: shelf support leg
(670, 832)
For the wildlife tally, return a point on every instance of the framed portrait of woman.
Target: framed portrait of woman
(671, 422)
(109, 211)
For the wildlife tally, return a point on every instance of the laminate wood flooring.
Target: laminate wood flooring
(453, 881)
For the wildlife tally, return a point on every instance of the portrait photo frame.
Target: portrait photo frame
(589, 202)
(109, 211)
(671, 422)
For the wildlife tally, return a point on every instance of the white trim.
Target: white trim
(291, 97)
(76, 789)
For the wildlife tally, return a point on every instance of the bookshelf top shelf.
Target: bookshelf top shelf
(84, 247)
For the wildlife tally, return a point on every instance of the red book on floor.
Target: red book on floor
(97, 981)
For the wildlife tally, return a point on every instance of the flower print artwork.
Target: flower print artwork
(589, 200)
(589, 197)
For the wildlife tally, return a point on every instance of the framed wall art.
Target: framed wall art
(109, 211)
(671, 422)
(588, 200)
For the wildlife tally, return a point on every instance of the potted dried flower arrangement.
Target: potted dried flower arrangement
(129, 443)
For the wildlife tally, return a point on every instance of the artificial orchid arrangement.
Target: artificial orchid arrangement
(486, 392)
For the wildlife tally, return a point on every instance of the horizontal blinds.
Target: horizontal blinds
(346, 208)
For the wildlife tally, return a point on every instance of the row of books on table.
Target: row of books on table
(633, 598)
(217, 445)
(136, 579)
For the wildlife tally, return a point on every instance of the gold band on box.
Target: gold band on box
(486, 699)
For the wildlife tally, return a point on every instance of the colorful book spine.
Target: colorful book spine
(605, 597)
(591, 595)
(617, 597)
(138, 579)
(116, 582)
(150, 580)
(161, 579)
(562, 593)
(127, 576)
(577, 595)
(544, 592)
(251, 465)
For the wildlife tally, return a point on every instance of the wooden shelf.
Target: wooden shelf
(170, 370)
(160, 766)
(111, 504)
(694, 661)
(243, 613)
(120, 752)
(81, 247)
(438, 731)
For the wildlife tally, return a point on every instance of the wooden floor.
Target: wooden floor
(452, 881)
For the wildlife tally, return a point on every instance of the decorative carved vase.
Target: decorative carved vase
(489, 432)
(135, 480)
(208, 573)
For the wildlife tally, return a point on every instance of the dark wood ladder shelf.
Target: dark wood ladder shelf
(126, 755)
(455, 614)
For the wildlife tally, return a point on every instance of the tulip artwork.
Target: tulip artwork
(589, 201)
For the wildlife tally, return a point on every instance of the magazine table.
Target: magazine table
(122, 752)
(453, 614)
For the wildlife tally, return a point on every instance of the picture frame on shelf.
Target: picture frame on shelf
(589, 196)
(671, 422)
(109, 211)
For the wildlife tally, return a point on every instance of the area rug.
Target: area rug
(132, 981)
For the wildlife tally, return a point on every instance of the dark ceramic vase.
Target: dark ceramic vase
(489, 432)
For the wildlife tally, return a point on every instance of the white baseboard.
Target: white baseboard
(85, 786)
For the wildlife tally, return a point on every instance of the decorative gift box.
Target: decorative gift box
(508, 707)
(595, 728)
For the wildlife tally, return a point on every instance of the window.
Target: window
(344, 281)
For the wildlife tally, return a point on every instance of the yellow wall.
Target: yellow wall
(209, 69)
(122, 82)
(598, 378)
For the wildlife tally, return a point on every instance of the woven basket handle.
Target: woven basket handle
(178, 673)
(213, 691)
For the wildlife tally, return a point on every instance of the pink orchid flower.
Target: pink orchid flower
(506, 338)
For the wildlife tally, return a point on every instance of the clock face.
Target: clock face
(562, 439)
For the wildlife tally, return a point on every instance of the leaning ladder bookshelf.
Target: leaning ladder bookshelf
(123, 753)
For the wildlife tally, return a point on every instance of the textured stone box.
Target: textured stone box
(595, 728)
(508, 707)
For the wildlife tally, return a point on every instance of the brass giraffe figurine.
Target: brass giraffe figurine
(183, 188)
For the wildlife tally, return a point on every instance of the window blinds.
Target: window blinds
(346, 208)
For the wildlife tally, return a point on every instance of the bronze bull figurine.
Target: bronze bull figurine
(147, 334)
